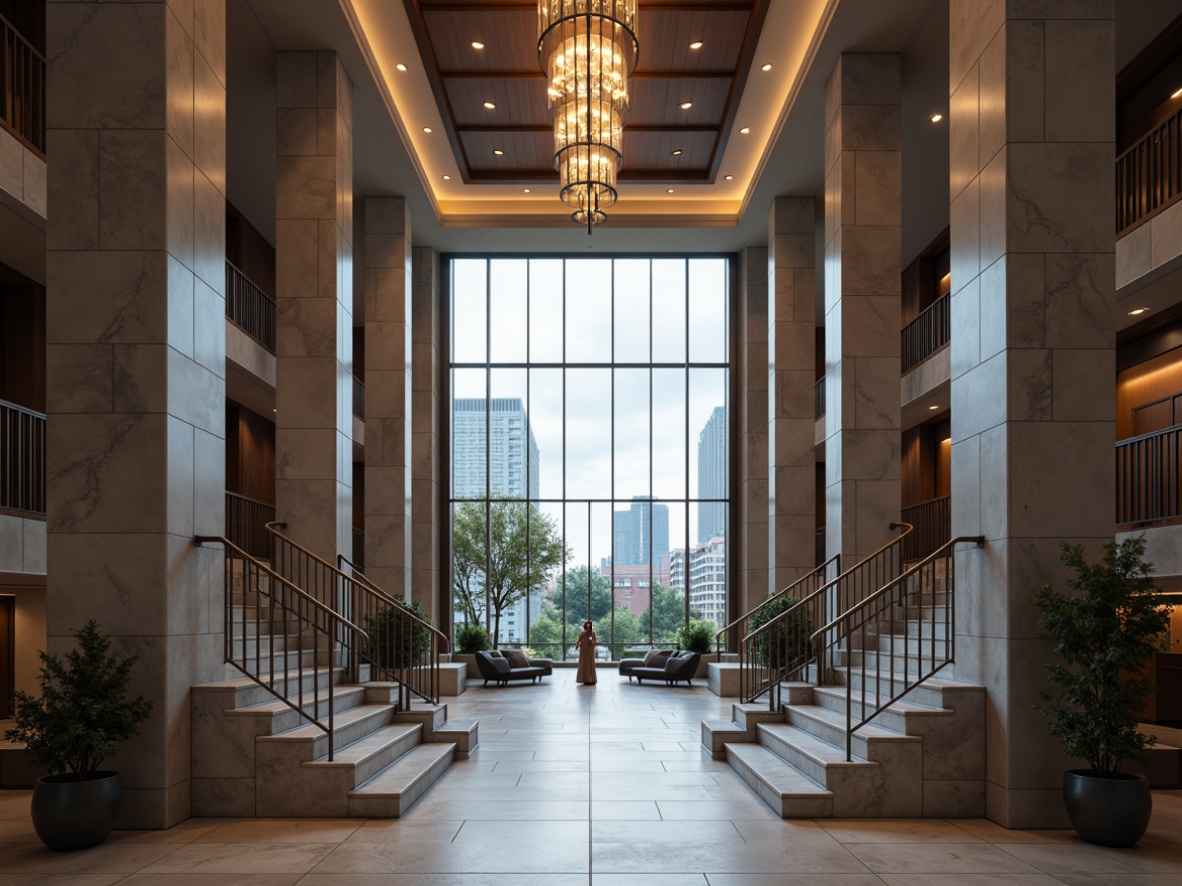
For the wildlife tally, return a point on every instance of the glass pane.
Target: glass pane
(708, 429)
(669, 308)
(545, 310)
(601, 588)
(507, 310)
(588, 311)
(469, 561)
(632, 308)
(468, 310)
(669, 441)
(707, 310)
(545, 419)
(668, 603)
(632, 463)
(508, 532)
(574, 588)
(469, 416)
(513, 451)
(588, 433)
(545, 615)
(708, 571)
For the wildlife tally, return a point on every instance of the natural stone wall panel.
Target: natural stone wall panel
(752, 550)
(428, 521)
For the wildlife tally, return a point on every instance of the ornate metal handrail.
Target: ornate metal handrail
(1149, 478)
(932, 520)
(400, 645)
(927, 587)
(250, 308)
(22, 460)
(780, 649)
(246, 522)
(808, 582)
(1149, 175)
(281, 610)
(22, 89)
(927, 333)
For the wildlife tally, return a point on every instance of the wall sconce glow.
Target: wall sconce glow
(1137, 312)
(937, 117)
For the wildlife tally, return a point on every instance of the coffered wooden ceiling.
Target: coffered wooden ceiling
(506, 74)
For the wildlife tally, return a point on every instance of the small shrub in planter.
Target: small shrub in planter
(471, 638)
(82, 713)
(696, 636)
(395, 640)
(787, 644)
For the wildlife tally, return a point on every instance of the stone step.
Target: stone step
(309, 742)
(372, 753)
(931, 692)
(829, 726)
(242, 692)
(895, 717)
(789, 792)
(807, 752)
(391, 792)
(284, 718)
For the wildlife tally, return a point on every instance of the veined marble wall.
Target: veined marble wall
(136, 360)
(752, 546)
(428, 520)
(792, 322)
(388, 394)
(314, 302)
(1032, 359)
(863, 224)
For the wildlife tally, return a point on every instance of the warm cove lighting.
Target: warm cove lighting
(587, 49)
(1137, 312)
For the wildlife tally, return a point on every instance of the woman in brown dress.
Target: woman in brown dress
(586, 646)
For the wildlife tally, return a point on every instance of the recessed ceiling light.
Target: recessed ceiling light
(527, 190)
(668, 190)
(427, 129)
(400, 66)
(685, 106)
(1177, 94)
(697, 44)
(937, 117)
(933, 408)
(1136, 312)
(677, 153)
(447, 178)
(745, 130)
(490, 105)
(766, 67)
(498, 152)
(729, 177)
(476, 44)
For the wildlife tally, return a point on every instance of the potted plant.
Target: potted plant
(471, 637)
(785, 646)
(1105, 634)
(698, 636)
(397, 642)
(83, 711)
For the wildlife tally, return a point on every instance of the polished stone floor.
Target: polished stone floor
(603, 785)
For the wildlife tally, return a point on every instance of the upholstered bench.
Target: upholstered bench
(503, 665)
(681, 665)
(654, 658)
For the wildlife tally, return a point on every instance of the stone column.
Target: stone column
(314, 302)
(428, 519)
(388, 393)
(862, 303)
(1033, 272)
(752, 550)
(792, 324)
(136, 360)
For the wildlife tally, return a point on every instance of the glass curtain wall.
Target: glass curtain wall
(589, 449)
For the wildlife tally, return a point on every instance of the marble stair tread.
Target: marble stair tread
(341, 721)
(836, 720)
(345, 697)
(785, 778)
(821, 752)
(365, 748)
(403, 772)
(901, 706)
(241, 684)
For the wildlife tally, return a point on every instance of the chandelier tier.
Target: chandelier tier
(588, 49)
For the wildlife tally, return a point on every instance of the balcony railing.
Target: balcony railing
(358, 398)
(22, 89)
(932, 520)
(1147, 481)
(1149, 175)
(250, 308)
(927, 333)
(22, 460)
(819, 398)
(246, 524)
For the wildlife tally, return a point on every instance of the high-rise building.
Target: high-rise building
(641, 534)
(707, 578)
(496, 433)
(712, 477)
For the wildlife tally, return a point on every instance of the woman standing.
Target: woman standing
(586, 646)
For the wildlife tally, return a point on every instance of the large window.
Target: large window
(589, 454)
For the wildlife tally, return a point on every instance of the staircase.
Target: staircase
(864, 728)
(303, 726)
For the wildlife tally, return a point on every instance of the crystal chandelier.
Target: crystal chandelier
(587, 50)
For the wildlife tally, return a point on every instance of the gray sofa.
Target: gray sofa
(654, 658)
(678, 666)
(501, 666)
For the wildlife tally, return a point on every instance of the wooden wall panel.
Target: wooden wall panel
(1146, 382)
(249, 251)
(22, 346)
(250, 454)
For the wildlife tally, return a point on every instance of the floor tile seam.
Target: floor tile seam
(1128, 869)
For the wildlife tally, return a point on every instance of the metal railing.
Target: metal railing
(246, 522)
(781, 648)
(806, 584)
(927, 333)
(819, 397)
(932, 520)
(358, 397)
(921, 603)
(1149, 175)
(284, 639)
(22, 88)
(359, 549)
(1148, 483)
(22, 460)
(401, 647)
(250, 308)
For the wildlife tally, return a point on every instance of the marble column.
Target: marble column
(136, 361)
(314, 302)
(752, 547)
(863, 137)
(428, 520)
(388, 394)
(1032, 360)
(792, 324)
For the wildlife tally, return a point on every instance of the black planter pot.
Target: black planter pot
(1107, 811)
(70, 814)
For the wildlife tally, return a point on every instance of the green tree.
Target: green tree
(570, 597)
(668, 614)
(500, 555)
